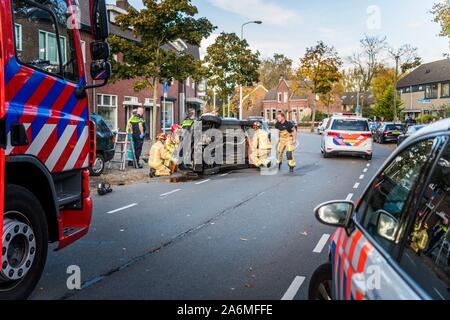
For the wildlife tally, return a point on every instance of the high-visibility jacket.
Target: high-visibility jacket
(133, 124)
(187, 123)
(172, 143)
(261, 141)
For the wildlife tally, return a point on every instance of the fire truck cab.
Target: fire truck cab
(47, 140)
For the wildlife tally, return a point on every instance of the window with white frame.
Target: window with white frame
(268, 115)
(107, 108)
(18, 36)
(274, 114)
(286, 97)
(280, 96)
(131, 100)
(294, 115)
(48, 47)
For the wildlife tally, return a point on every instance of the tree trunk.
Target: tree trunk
(313, 118)
(155, 108)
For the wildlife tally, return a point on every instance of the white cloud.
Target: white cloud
(206, 43)
(270, 13)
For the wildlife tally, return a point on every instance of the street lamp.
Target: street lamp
(240, 86)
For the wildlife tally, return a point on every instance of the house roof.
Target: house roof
(437, 71)
(272, 94)
(350, 98)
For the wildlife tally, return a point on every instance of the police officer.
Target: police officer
(286, 140)
(189, 120)
(158, 157)
(261, 146)
(137, 127)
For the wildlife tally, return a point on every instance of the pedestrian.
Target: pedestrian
(286, 140)
(159, 156)
(137, 127)
(261, 146)
(189, 120)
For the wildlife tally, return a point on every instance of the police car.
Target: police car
(394, 244)
(347, 134)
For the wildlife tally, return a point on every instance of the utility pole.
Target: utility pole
(397, 59)
(240, 86)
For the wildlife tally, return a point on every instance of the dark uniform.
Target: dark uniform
(138, 140)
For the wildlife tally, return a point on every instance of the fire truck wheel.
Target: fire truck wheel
(24, 243)
(98, 166)
(320, 284)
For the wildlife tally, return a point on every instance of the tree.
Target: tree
(329, 98)
(147, 59)
(275, 68)
(441, 12)
(384, 106)
(383, 80)
(230, 63)
(318, 73)
(367, 62)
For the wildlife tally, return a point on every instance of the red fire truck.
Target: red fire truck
(46, 137)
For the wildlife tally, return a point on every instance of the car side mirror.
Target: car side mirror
(387, 226)
(335, 213)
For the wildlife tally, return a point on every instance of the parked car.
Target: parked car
(394, 244)
(234, 156)
(347, 135)
(411, 130)
(105, 141)
(389, 132)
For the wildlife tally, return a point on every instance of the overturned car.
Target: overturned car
(214, 144)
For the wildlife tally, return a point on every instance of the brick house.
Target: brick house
(115, 101)
(426, 90)
(296, 107)
(253, 102)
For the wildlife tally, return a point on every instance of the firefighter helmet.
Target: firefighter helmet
(256, 125)
(175, 127)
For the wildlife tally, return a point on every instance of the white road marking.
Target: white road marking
(365, 170)
(349, 197)
(293, 288)
(368, 165)
(169, 193)
(321, 244)
(204, 181)
(361, 177)
(224, 175)
(123, 208)
(356, 186)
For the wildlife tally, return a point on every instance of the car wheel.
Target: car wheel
(98, 166)
(326, 155)
(320, 284)
(368, 157)
(24, 245)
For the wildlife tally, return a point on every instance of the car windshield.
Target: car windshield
(393, 127)
(350, 125)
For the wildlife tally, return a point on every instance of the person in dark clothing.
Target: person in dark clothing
(137, 128)
(286, 140)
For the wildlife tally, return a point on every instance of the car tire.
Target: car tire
(99, 165)
(326, 155)
(320, 284)
(369, 157)
(23, 210)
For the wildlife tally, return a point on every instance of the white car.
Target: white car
(349, 136)
(323, 126)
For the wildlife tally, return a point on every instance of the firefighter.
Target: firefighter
(420, 242)
(137, 127)
(286, 140)
(158, 157)
(261, 146)
(172, 144)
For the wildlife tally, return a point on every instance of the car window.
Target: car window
(350, 125)
(104, 127)
(392, 127)
(384, 204)
(427, 254)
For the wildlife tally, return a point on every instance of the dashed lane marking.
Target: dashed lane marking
(349, 197)
(202, 182)
(365, 170)
(356, 186)
(169, 193)
(321, 244)
(293, 288)
(123, 208)
(361, 177)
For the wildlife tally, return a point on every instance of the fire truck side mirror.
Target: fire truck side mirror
(100, 23)
(100, 70)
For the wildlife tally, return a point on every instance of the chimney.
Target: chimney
(123, 4)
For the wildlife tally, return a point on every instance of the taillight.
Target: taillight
(92, 142)
(387, 132)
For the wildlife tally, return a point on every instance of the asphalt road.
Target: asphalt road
(240, 235)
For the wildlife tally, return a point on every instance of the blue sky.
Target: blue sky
(289, 26)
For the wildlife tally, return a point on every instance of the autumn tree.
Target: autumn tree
(272, 69)
(441, 12)
(318, 73)
(384, 106)
(230, 63)
(148, 59)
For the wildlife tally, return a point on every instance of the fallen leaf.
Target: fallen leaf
(247, 285)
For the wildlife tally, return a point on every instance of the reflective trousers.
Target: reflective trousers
(286, 143)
